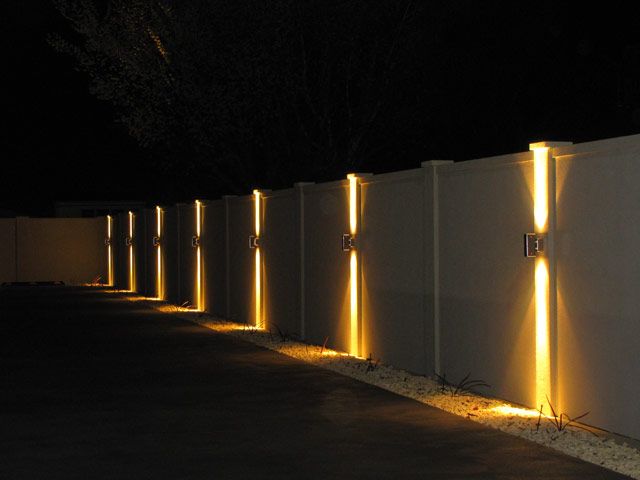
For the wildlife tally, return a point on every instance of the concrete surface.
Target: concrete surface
(96, 387)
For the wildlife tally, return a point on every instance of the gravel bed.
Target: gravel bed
(592, 445)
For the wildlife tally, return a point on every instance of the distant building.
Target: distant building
(89, 209)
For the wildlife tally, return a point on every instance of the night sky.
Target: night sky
(487, 78)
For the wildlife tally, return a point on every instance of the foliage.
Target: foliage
(463, 387)
(284, 335)
(563, 421)
(371, 363)
(246, 90)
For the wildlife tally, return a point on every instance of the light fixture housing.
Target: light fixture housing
(533, 244)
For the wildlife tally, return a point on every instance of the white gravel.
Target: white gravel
(605, 449)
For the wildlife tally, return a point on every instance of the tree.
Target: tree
(242, 93)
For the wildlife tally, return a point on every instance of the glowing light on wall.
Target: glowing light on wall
(543, 365)
(131, 265)
(159, 292)
(353, 266)
(258, 262)
(199, 302)
(541, 217)
(109, 253)
(353, 218)
(541, 191)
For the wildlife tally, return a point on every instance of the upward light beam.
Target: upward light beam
(353, 266)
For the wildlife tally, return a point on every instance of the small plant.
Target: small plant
(539, 418)
(324, 345)
(284, 335)
(463, 387)
(563, 421)
(371, 364)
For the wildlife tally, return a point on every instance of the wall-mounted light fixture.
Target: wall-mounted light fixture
(533, 244)
(348, 242)
(156, 243)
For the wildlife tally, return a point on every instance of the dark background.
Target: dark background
(489, 78)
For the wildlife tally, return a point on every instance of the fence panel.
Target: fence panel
(486, 284)
(280, 244)
(392, 242)
(214, 257)
(171, 255)
(120, 251)
(598, 271)
(8, 268)
(55, 249)
(188, 273)
(326, 218)
(140, 252)
(242, 272)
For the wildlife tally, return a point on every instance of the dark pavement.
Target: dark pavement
(97, 387)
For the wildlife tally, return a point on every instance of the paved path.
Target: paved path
(95, 387)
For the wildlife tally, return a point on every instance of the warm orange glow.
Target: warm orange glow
(541, 221)
(258, 322)
(353, 320)
(256, 202)
(353, 220)
(353, 266)
(198, 257)
(131, 267)
(543, 367)
(258, 266)
(540, 187)
(159, 293)
(109, 253)
(508, 410)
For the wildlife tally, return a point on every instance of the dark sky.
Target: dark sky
(490, 77)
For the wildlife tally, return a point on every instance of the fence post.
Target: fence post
(431, 228)
(545, 225)
(299, 189)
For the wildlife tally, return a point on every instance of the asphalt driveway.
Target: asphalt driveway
(96, 387)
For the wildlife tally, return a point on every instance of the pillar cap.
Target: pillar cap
(548, 144)
(435, 163)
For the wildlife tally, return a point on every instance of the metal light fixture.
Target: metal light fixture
(533, 244)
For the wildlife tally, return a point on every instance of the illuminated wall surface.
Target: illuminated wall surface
(172, 257)
(281, 250)
(242, 267)
(436, 278)
(71, 250)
